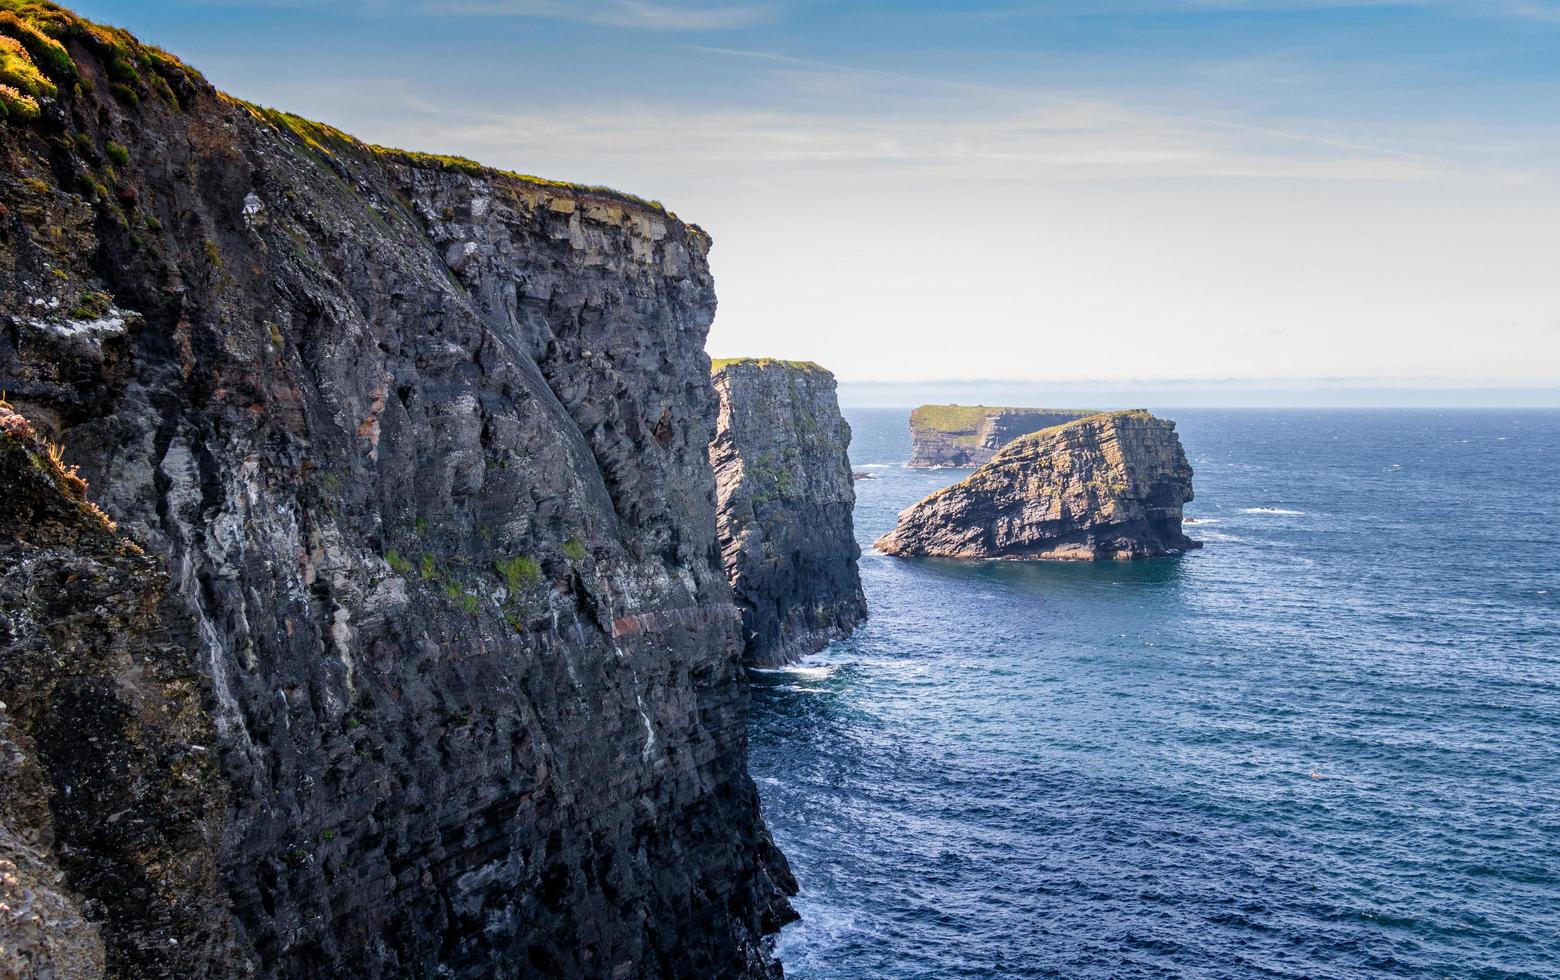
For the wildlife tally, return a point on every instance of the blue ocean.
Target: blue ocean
(1325, 745)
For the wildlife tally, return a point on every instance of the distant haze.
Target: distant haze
(1157, 394)
(1063, 190)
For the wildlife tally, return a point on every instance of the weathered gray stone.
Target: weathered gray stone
(785, 498)
(970, 435)
(1105, 486)
(422, 450)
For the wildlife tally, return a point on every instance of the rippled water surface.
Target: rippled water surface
(1326, 745)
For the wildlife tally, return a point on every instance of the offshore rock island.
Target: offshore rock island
(785, 496)
(1106, 486)
(412, 654)
(970, 435)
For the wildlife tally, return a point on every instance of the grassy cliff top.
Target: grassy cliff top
(718, 364)
(35, 64)
(1088, 420)
(966, 419)
(328, 139)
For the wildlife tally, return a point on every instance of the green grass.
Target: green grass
(398, 564)
(519, 573)
(718, 364)
(966, 419)
(119, 154)
(92, 305)
(18, 71)
(574, 550)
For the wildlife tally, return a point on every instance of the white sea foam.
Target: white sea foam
(820, 672)
(875, 466)
(1272, 510)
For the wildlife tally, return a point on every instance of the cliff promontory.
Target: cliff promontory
(970, 435)
(1109, 485)
(430, 666)
(785, 494)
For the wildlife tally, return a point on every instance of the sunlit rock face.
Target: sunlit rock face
(1110, 485)
(421, 450)
(785, 494)
(970, 435)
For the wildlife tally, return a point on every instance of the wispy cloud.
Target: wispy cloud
(1091, 142)
(643, 14)
(820, 72)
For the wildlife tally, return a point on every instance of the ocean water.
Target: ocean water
(1326, 745)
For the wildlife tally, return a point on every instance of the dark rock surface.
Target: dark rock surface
(971, 435)
(111, 803)
(785, 497)
(422, 449)
(1106, 486)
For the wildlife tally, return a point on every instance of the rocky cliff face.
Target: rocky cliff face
(111, 802)
(970, 435)
(785, 497)
(1106, 486)
(422, 450)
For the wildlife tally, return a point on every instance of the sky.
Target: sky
(1364, 192)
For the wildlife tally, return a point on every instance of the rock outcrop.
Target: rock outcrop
(422, 450)
(785, 496)
(111, 802)
(1106, 486)
(971, 435)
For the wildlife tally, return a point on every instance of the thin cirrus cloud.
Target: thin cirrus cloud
(1082, 141)
(642, 14)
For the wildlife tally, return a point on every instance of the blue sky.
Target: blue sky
(1046, 190)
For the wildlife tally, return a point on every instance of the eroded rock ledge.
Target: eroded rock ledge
(422, 450)
(785, 496)
(1110, 485)
(970, 435)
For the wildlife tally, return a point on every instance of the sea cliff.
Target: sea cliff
(785, 494)
(970, 435)
(417, 455)
(1110, 485)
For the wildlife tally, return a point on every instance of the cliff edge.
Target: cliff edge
(421, 448)
(785, 496)
(1105, 486)
(971, 435)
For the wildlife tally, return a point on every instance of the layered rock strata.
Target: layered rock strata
(970, 435)
(421, 449)
(784, 499)
(1110, 485)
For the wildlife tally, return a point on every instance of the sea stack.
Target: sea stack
(784, 499)
(971, 435)
(1109, 485)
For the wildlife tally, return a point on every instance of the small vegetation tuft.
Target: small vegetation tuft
(398, 564)
(519, 573)
(92, 305)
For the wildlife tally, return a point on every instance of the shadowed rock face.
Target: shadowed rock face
(111, 803)
(785, 495)
(1106, 486)
(422, 451)
(971, 435)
